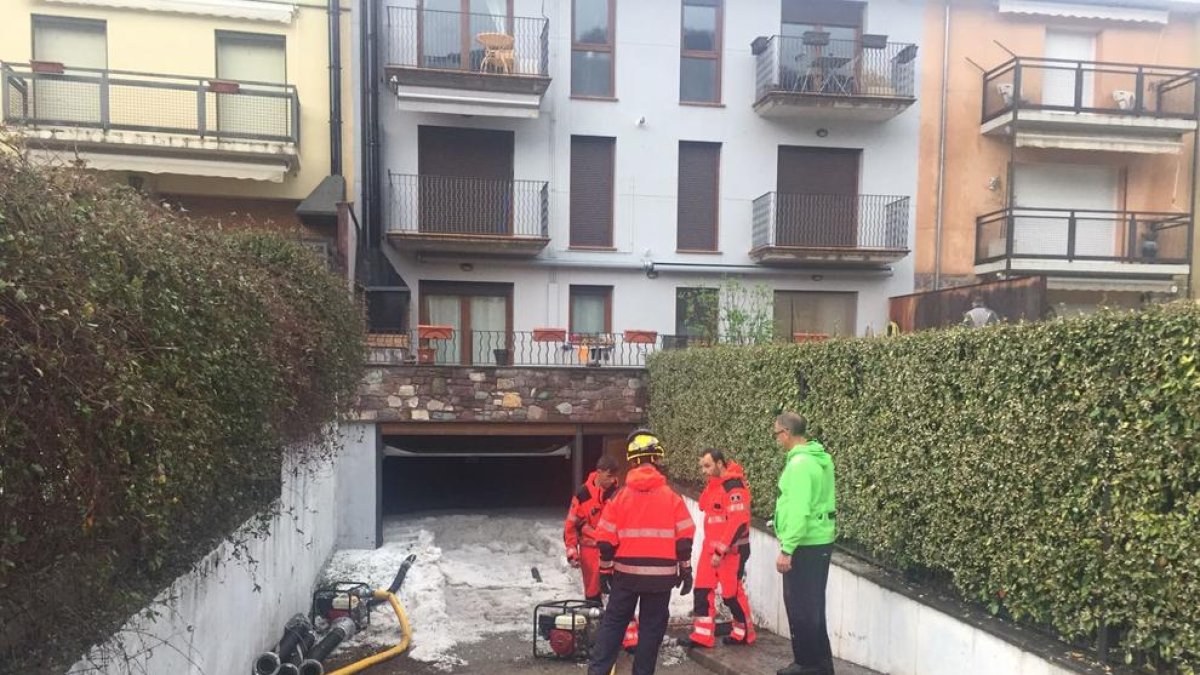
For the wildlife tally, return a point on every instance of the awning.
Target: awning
(256, 10)
(181, 166)
(1079, 10)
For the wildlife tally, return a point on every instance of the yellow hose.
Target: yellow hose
(406, 634)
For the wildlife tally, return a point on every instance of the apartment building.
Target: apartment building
(592, 166)
(1066, 149)
(220, 108)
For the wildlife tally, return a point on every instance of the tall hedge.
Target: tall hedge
(1051, 471)
(152, 373)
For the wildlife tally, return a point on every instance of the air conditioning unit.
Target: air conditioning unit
(1123, 99)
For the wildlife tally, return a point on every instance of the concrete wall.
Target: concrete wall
(215, 619)
(646, 81)
(977, 31)
(359, 487)
(873, 625)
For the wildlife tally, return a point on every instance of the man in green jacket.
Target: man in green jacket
(805, 527)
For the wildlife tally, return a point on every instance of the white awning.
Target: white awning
(1080, 10)
(181, 166)
(279, 11)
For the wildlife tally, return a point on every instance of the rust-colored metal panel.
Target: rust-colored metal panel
(1022, 299)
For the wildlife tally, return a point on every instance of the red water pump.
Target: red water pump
(565, 629)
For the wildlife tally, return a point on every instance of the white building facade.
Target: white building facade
(581, 164)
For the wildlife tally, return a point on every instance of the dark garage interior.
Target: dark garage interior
(480, 472)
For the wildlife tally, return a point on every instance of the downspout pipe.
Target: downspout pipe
(335, 87)
(941, 179)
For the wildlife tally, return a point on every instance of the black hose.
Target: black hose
(342, 629)
(397, 582)
(267, 663)
(297, 638)
(289, 669)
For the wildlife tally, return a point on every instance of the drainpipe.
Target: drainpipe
(335, 87)
(941, 180)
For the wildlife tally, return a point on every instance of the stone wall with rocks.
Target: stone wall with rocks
(408, 393)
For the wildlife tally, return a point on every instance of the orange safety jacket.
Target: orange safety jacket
(645, 533)
(726, 506)
(584, 514)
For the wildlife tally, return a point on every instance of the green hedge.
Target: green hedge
(152, 373)
(1051, 471)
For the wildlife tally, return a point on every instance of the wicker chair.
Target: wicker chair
(499, 55)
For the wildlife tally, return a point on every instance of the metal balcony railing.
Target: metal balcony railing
(469, 206)
(487, 43)
(865, 222)
(814, 64)
(1089, 87)
(49, 94)
(1083, 234)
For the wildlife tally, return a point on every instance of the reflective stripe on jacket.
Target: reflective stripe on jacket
(645, 532)
(726, 506)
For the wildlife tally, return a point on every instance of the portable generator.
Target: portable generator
(342, 599)
(565, 629)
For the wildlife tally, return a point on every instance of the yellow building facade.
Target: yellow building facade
(221, 106)
(1061, 143)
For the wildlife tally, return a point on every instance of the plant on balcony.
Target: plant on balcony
(435, 332)
(733, 313)
(640, 337)
(224, 87)
(549, 334)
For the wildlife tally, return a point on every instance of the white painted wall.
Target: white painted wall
(217, 618)
(359, 476)
(876, 627)
(647, 85)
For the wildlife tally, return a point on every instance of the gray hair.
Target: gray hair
(792, 423)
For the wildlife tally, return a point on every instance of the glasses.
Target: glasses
(779, 431)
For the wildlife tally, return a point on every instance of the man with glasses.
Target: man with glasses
(805, 527)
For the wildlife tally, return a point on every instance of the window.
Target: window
(480, 314)
(697, 311)
(699, 196)
(447, 30)
(257, 108)
(75, 43)
(592, 49)
(591, 310)
(814, 312)
(592, 191)
(700, 57)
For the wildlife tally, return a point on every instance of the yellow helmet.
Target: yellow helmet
(642, 444)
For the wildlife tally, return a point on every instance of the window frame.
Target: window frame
(586, 290)
(715, 55)
(251, 36)
(50, 19)
(464, 28)
(610, 48)
(612, 199)
(689, 294)
(464, 291)
(716, 191)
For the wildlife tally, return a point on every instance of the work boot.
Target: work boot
(689, 643)
(734, 642)
(797, 669)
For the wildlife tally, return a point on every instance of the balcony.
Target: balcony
(1084, 105)
(1113, 244)
(813, 77)
(467, 64)
(829, 230)
(125, 121)
(443, 214)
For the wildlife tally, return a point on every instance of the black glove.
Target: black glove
(605, 584)
(685, 579)
(741, 568)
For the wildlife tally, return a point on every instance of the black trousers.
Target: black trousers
(652, 626)
(804, 598)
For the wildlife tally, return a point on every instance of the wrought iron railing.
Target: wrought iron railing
(488, 43)
(49, 94)
(469, 206)
(1083, 234)
(867, 222)
(544, 348)
(1089, 87)
(815, 64)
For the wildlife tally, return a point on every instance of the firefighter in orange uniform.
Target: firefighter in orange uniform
(579, 531)
(645, 539)
(726, 506)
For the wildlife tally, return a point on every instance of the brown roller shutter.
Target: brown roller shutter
(466, 180)
(699, 185)
(592, 191)
(818, 197)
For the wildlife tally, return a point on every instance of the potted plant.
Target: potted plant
(503, 357)
(641, 337)
(549, 334)
(809, 337)
(874, 41)
(435, 332)
(224, 87)
(759, 45)
(426, 355)
(47, 67)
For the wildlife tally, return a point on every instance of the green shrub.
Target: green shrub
(152, 373)
(1052, 471)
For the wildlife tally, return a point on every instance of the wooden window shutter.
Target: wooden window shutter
(592, 191)
(699, 196)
